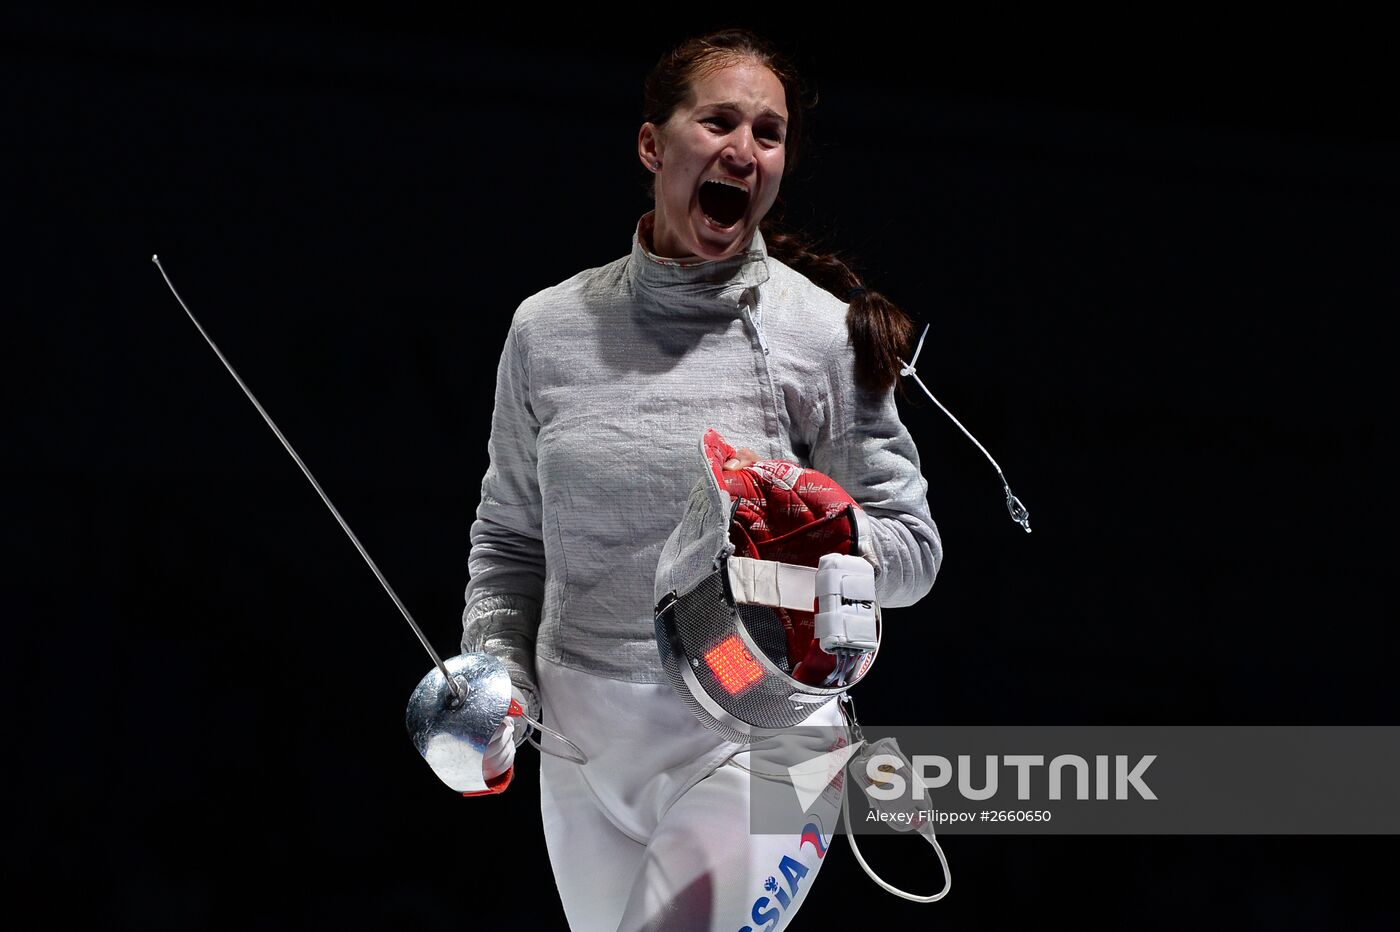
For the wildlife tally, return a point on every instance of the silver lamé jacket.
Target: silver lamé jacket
(605, 385)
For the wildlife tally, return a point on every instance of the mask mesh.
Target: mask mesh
(689, 625)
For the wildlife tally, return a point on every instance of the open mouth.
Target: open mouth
(722, 202)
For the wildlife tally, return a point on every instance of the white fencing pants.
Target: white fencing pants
(654, 832)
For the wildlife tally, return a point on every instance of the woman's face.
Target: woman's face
(722, 154)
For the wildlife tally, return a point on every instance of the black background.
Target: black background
(1157, 260)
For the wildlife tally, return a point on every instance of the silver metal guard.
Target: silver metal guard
(452, 734)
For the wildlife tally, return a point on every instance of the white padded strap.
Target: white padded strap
(779, 585)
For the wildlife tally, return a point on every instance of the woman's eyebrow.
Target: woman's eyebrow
(731, 105)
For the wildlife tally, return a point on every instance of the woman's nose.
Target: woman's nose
(741, 148)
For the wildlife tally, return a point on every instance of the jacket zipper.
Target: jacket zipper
(758, 331)
(753, 318)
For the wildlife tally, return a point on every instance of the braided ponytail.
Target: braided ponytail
(880, 331)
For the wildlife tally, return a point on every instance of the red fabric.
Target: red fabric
(789, 514)
(496, 784)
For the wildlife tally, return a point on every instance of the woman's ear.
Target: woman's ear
(650, 146)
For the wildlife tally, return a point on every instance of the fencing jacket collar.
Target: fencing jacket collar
(696, 281)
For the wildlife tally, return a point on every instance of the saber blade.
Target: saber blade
(456, 690)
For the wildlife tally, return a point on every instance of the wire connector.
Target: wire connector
(1019, 512)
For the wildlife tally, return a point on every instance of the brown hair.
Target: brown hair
(879, 330)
